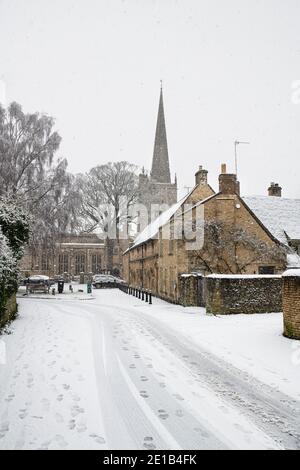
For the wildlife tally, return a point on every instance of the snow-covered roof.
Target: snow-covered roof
(151, 231)
(280, 216)
(39, 277)
(293, 260)
(292, 273)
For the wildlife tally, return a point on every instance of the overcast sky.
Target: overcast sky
(227, 68)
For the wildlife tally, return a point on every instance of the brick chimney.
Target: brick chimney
(275, 190)
(201, 176)
(228, 183)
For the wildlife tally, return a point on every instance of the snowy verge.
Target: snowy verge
(252, 343)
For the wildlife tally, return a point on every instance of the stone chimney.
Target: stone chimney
(275, 190)
(228, 183)
(201, 176)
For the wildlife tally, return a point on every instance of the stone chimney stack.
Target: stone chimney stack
(201, 176)
(228, 183)
(275, 190)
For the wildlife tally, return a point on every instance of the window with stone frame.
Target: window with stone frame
(171, 238)
(45, 262)
(161, 243)
(63, 263)
(96, 263)
(266, 270)
(79, 263)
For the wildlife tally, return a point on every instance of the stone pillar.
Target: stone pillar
(291, 303)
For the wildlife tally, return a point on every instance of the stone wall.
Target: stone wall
(291, 304)
(10, 311)
(243, 294)
(192, 290)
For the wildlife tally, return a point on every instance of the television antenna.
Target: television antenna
(236, 143)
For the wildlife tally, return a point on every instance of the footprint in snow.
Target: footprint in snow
(76, 410)
(4, 428)
(178, 397)
(66, 387)
(23, 414)
(10, 398)
(60, 398)
(144, 394)
(46, 404)
(160, 374)
(162, 414)
(179, 413)
(202, 432)
(132, 366)
(98, 439)
(148, 443)
(76, 397)
(144, 379)
(60, 441)
(72, 424)
(81, 428)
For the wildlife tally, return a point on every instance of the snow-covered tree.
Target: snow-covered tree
(30, 173)
(14, 223)
(14, 234)
(8, 272)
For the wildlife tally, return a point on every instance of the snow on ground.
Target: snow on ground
(48, 389)
(253, 343)
(109, 371)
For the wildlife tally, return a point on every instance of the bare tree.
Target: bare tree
(103, 193)
(230, 249)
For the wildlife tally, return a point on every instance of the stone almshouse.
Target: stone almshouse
(242, 236)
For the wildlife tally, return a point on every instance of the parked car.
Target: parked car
(38, 283)
(103, 280)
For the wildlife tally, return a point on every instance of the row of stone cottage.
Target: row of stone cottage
(242, 235)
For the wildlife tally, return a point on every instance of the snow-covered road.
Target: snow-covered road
(112, 372)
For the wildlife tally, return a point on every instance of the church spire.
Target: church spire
(160, 164)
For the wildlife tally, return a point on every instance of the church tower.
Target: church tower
(158, 188)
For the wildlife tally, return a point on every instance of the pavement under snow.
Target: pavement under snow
(108, 371)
